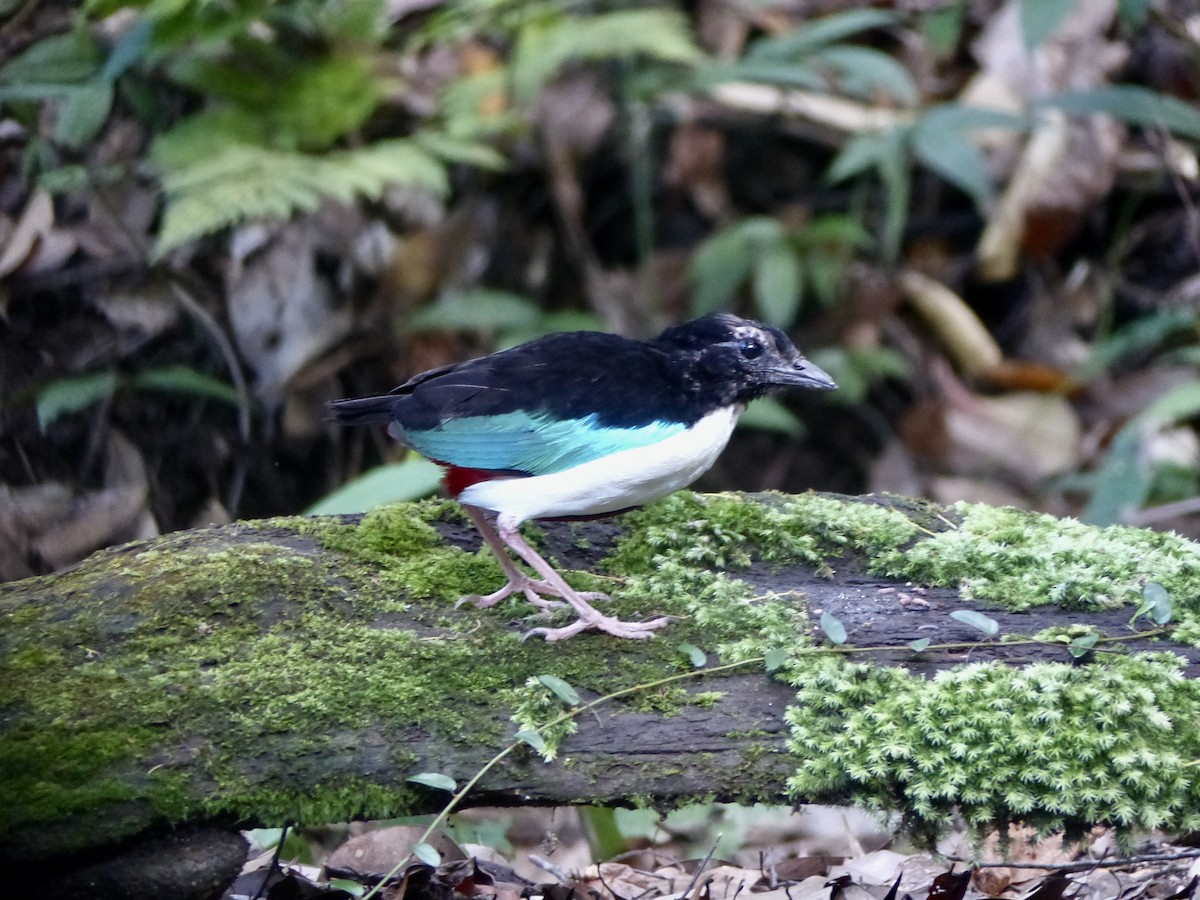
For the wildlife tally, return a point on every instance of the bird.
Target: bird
(578, 425)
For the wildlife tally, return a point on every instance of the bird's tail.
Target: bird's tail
(363, 411)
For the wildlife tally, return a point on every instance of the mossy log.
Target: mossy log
(300, 670)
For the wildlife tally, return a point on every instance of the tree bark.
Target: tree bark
(263, 674)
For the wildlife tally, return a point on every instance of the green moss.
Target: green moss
(1187, 629)
(1022, 559)
(731, 530)
(1060, 747)
(707, 699)
(194, 671)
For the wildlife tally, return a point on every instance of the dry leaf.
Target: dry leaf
(35, 222)
(966, 339)
(284, 289)
(1045, 197)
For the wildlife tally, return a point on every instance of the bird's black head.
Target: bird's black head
(740, 359)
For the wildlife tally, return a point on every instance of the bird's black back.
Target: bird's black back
(571, 375)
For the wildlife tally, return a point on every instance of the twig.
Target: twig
(557, 871)
(274, 866)
(700, 868)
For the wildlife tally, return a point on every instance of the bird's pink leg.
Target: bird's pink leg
(589, 616)
(517, 580)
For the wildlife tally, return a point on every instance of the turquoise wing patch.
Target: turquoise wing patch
(522, 442)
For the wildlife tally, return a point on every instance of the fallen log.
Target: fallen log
(300, 670)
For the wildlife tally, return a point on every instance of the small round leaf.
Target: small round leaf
(833, 628)
(986, 624)
(427, 854)
(560, 689)
(694, 653)
(434, 780)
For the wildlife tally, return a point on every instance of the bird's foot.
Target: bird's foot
(523, 585)
(609, 625)
(532, 588)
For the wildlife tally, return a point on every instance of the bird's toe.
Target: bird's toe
(635, 631)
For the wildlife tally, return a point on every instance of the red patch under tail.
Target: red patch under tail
(457, 479)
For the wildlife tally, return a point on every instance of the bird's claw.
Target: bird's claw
(633, 630)
(531, 588)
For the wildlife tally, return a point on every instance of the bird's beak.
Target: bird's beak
(803, 374)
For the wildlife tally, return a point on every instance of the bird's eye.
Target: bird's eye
(751, 349)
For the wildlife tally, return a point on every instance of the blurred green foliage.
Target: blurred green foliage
(266, 108)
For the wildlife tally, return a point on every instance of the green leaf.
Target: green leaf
(300, 102)
(544, 48)
(237, 181)
(1141, 334)
(823, 271)
(62, 59)
(198, 138)
(1180, 402)
(894, 172)
(956, 159)
(267, 838)
(84, 113)
(773, 660)
(1133, 104)
(920, 644)
(358, 22)
(942, 27)
(864, 72)
(694, 654)
(532, 738)
(777, 283)
(887, 153)
(833, 628)
(459, 150)
(411, 479)
(181, 379)
(68, 395)
(325, 102)
(1082, 645)
(834, 231)
(1040, 18)
(561, 689)
(961, 117)
(768, 414)
(1122, 483)
(129, 49)
(718, 268)
(477, 309)
(819, 33)
(978, 620)
(351, 887)
(1156, 602)
(427, 854)
(434, 780)
(859, 154)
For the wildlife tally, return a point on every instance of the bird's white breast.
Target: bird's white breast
(617, 481)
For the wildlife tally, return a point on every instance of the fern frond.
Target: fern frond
(244, 181)
(544, 48)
